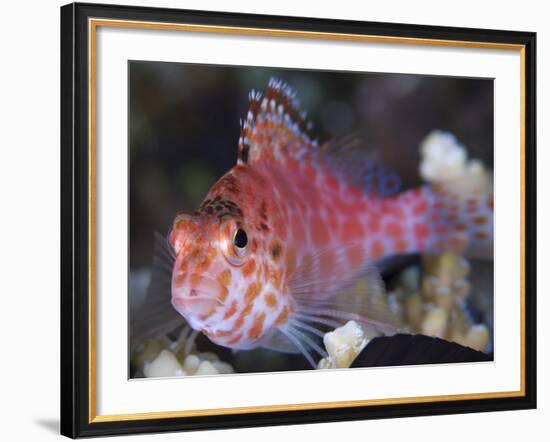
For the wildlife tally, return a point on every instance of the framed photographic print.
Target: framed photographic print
(277, 220)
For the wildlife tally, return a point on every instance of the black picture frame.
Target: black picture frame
(75, 219)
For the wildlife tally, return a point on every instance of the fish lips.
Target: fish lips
(197, 302)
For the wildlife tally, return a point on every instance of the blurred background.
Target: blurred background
(184, 127)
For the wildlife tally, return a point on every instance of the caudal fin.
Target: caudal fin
(456, 220)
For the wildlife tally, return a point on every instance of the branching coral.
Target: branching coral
(445, 160)
(165, 358)
(432, 301)
(343, 345)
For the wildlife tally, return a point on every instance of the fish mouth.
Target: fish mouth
(199, 300)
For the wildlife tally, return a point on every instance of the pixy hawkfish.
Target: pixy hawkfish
(270, 257)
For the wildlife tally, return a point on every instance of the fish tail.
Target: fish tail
(456, 215)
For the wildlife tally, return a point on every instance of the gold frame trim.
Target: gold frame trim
(93, 24)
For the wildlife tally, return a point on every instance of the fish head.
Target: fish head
(224, 281)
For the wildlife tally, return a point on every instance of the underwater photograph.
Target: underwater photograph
(290, 219)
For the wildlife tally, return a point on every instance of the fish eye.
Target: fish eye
(240, 239)
(234, 241)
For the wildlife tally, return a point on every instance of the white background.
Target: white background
(115, 395)
(29, 240)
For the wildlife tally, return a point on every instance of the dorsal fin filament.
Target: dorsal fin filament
(276, 129)
(274, 124)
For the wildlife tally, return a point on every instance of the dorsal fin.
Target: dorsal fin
(276, 128)
(274, 125)
(351, 159)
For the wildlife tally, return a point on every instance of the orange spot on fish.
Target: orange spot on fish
(223, 293)
(352, 229)
(480, 220)
(231, 310)
(183, 266)
(290, 261)
(420, 231)
(254, 245)
(235, 340)
(264, 273)
(374, 225)
(224, 278)
(195, 280)
(252, 292)
(196, 252)
(400, 245)
(282, 318)
(203, 265)
(393, 229)
(271, 300)
(249, 268)
(257, 326)
(183, 224)
(276, 279)
(180, 278)
(419, 208)
(246, 311)
(481, 235)
(458, 242)
(238, 324)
